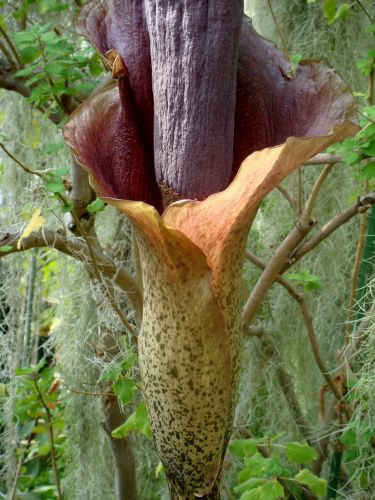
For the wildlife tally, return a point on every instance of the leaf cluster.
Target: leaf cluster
(30, 416)
(265, 475)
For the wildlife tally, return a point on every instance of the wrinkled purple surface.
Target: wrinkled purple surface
(194, 51)
(106, 137)
(202, 108)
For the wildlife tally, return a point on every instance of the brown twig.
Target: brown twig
(287, 196)
(300, 299)
(323, 159)
(299, 193)
(19, 163)
(367, 14)
(87, 393)
(76, 248)
(100, 278)
(361, 205)
(13, 492)
(355, 275)
(97, 273)
(52, 441)
(275, 267)
(316, 188)
(284, 254)
(10, 43)
(8, 56)
(279, 31)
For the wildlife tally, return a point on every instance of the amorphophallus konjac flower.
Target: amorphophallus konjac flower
(197, 92)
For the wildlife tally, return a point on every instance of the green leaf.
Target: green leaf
(5, 248)
(295, 60)
(67, 207)
(55, 187)
(342, 11)
(25, 429)
(314, 483)
(255, 466)
(137, 422)
(243, 447)
(365, 65)
(300, 453)
(96, 206)
(130, 358)
(53, 148)
(125, 389)
(271, 490)
(159, 470)
(330, 9)
(368, 172)
(370, 149)
(250, 484)
(349, 437)
(309, 281)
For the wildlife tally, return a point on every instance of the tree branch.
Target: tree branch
(11, 45)
(361, 205)
(51, 439)
(275, 267)
(300, 299)
(81, 194)
(8, 82)
(323, 159)
(287, 196)
(316, 188)
(76, 247)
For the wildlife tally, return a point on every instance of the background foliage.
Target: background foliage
(50, 309)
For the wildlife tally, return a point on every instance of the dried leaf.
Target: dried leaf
(36, 222)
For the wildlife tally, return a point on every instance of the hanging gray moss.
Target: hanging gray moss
(263, 407)
(359, 436)
(261, 395)
(307, 33)
(88, 465)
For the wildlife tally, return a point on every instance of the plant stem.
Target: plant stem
(355, 275)
(52, 440)
(316, 188)
(308, 323)
(10, 43)
(287, 196)
(275, 267)
(97, 273)
(361, 205)
(367, 14)
(279, 31)
(29, 309)
(13, 492)
(19, 163)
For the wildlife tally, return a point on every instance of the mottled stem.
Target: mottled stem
(176, 493)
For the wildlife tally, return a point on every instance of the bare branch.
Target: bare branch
(308, 323)
(77, 248)
(11, 45)
(323, 159)
(8, 58)
(279, 31)
(81, 194)
(276, 267)
(355, 275)
(316, 188)
(8, 82)
(51, 439)
(287, 196)
(19, 163)
(361, 205)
